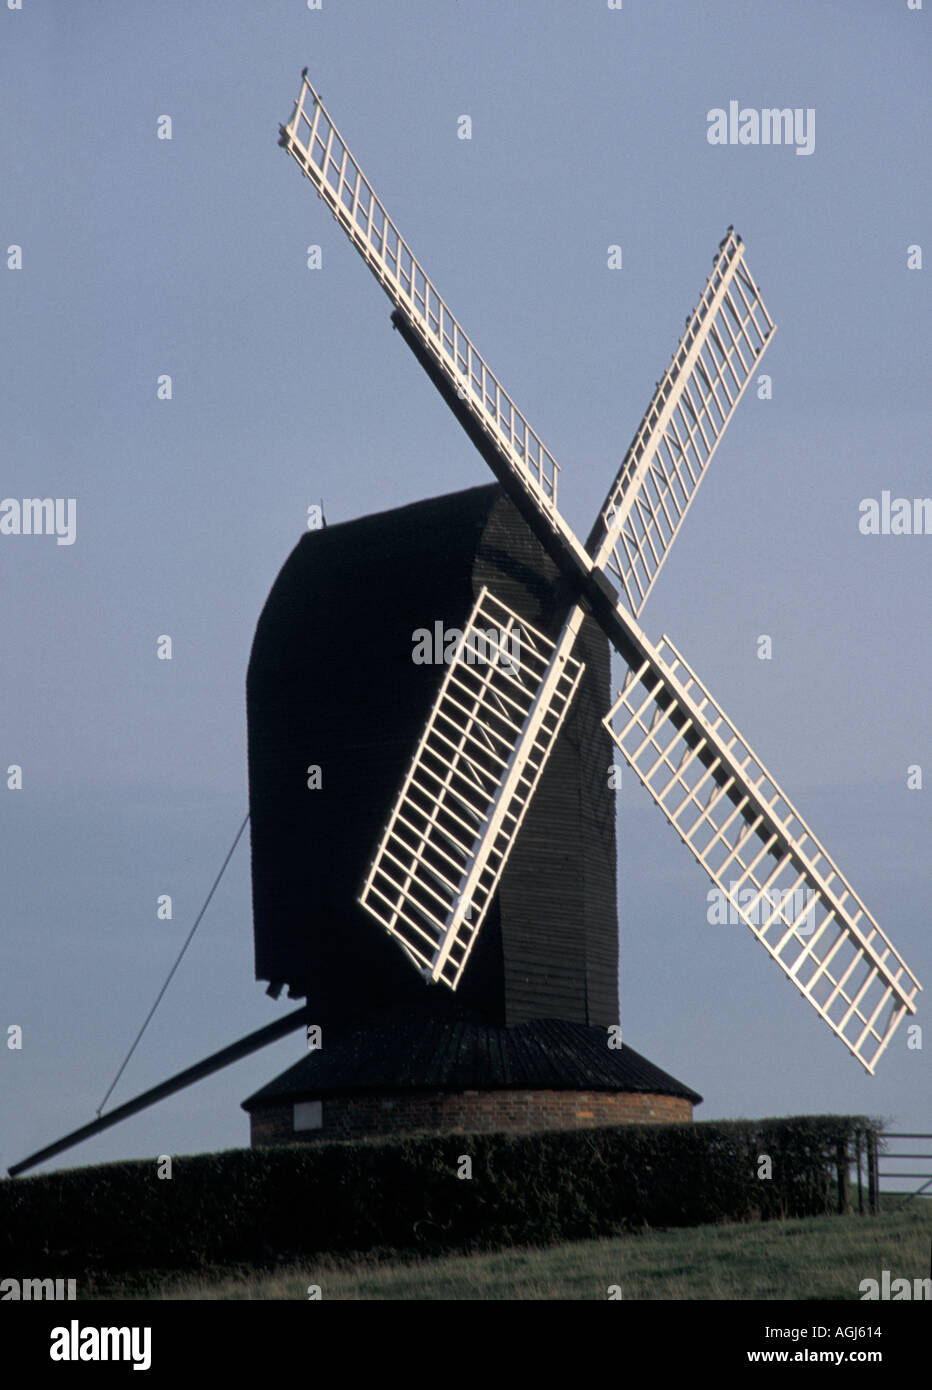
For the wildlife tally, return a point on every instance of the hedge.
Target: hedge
(262, 1205)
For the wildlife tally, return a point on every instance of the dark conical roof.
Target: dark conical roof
(453, 1051)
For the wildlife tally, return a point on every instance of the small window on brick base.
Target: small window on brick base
(308, 1114)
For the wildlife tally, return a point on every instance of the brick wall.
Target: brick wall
(459, 1112)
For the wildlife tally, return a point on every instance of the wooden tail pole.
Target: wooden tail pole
(251, 1043)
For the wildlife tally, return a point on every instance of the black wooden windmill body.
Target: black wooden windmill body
(444, 896)
(318, 715)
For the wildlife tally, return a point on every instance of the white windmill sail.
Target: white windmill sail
(754, 845)
(726, 336)
(481, 754)
(312, 139)
(480, 757)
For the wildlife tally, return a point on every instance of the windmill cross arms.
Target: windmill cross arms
(754, 845)
(725, 338)
(323, 156)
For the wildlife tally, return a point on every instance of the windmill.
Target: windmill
(492, 728)
(476, 771)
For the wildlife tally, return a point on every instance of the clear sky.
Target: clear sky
(144, 256)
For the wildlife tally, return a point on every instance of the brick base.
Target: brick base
(460, 1112)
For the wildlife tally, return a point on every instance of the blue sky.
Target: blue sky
(143, 256)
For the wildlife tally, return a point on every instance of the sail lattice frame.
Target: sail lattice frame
(757, 849)
(462, 802)
(726, 336)
(324, 157)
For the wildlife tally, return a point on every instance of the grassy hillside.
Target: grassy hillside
(817, 1258)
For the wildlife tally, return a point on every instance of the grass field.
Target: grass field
(820, 1258)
